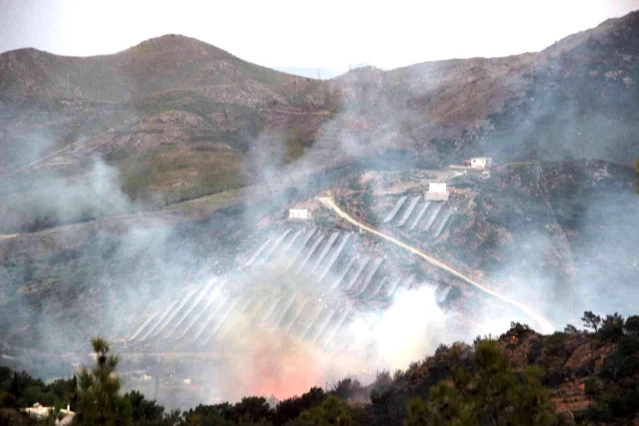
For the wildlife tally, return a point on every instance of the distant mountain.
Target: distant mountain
(162, 64)
(175, 100)
(168, 99)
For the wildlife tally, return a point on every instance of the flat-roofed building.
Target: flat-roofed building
(437, 191)
(299, 214)
(480, 162)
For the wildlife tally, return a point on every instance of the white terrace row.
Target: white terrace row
(334, 263)
(419, 215)
(203, 316)
(331, 262)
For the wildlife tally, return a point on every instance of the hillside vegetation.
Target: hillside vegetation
(521, 378)
(178, 97)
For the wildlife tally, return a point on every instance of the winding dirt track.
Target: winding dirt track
(544, 324)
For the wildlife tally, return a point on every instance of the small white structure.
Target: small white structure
(437, 192)
(436, 187)
(298, 214)
(481, 162)
(39, 412)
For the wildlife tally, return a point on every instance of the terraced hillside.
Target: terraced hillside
(423, 217)
(200, 294)
(305, 281)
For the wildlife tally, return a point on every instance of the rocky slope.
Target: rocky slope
(148, 111)
(583, 371)
(175, 96)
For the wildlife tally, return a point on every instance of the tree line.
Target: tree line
(462, 385)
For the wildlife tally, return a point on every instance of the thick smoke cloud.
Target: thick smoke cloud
(56, 199)
(608, 258)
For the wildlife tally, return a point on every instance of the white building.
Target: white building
(481, 162)
(437, 187)
(298, 214)
(40, 413)
(437, 192)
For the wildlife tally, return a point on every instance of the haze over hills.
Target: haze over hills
(143, 196)
(110, 104)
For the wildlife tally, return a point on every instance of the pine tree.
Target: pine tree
(331, 412)
(591, 320)
(632, 325)
(98, 399)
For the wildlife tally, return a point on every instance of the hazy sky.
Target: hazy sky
(325, 33)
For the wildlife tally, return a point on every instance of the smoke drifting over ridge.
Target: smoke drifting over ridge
(136, 267)
(133, 266)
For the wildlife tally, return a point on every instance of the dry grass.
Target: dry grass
(182, 172)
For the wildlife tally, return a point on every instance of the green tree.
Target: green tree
(98, 399)
(143, 410)
(347, 388)
(632, 325)
(332, 411)
(254, 408)
(591, 320)
(571, 329)
(612, 327)
(291, 408)
(490, 393)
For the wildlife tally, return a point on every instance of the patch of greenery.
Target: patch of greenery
(178, 173)
(19, 389)
(615, 389)
(490, 393)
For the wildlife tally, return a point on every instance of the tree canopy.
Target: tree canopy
(98, 399)
(490, 393)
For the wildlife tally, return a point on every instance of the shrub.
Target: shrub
(570, 329)
(612, 327)
(631, 326)
(591, 387)
(144, 410)
(347, 388)
(8, 400)
(493, 394)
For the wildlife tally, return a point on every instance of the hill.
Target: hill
(162, 64)
(174, 100)
(147, 111)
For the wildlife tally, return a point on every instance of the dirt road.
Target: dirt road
(545, 325)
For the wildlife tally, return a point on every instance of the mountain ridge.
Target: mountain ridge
(516, 107)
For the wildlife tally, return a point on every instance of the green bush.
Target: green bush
(612, 327)
(591, 387)
(493, 394)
